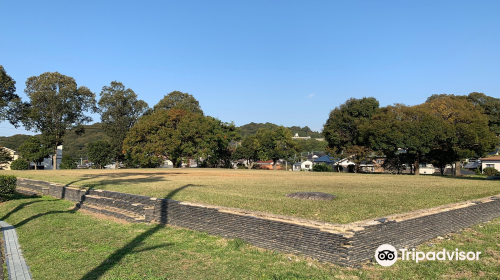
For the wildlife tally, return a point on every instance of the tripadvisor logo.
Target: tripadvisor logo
(386, 255)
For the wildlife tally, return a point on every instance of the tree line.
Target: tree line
(442, 131)
(138, 136)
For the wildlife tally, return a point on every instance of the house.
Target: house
(326, 159)
(345, 165)
(268, 165)
(472, 165)
(491, 162)
(297, 166)
(306, 165)
(303, 166)
(14, 156)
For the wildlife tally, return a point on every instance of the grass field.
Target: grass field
(360, 196)
(61, 243)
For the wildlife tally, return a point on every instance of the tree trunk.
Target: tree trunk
(116, 163)
(416, 166)
(35, 166)
(274, 165)
(457, 168)
(54, 159)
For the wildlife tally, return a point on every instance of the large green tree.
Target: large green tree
(248, 150)
(179, 100)
(120, 109)
(341, 129)
(34, 150)
(218, 142)
(56, 105)
(403, 129)
(100, 153)
(466, 126)
(175, 134)
(276, 144)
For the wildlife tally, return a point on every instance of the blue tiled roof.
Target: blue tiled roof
(326, 159)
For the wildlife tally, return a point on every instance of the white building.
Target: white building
(48, 161)
(305, 165)
(491, 162)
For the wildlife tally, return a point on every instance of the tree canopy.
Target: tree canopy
(179, 100)
(411, 129)
(7, 94)
(100, 153)
(120, 109)
(56, 105)
(248, 150)
(34, 151)
(176, 134)
(341, 127)
(276, 144)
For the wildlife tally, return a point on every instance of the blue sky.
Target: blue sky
(286, 62)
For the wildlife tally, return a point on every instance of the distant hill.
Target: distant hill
(251, 128)
(74, 146)
(13, 142)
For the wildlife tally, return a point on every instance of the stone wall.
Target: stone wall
(344, 244)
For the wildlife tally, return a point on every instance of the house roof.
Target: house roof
(495, 152)
(472, 165)
(491, 158)
(325, 158)
(265, 162)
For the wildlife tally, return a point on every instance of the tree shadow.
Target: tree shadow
(119, 254)
(23, 205)
(465, 177)
(121, 178)
(130, 247)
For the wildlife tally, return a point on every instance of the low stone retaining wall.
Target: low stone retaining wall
(344, 244)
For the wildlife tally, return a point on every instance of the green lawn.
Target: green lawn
(61, 243)
(360, 196)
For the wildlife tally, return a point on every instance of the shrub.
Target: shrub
(490, 171)
(478, 171)
(7, 184)
(20, 164)
(67, 163)
(322, 168)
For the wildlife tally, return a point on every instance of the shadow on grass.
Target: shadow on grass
(18, 196)
(463, 177)
(119, 178)
(119, 254)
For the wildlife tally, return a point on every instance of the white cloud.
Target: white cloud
(311, 95)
